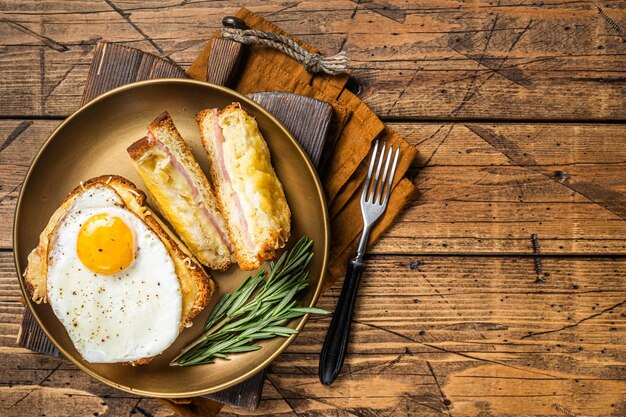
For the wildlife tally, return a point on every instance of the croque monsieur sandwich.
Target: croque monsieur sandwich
(249, 194)
(182, 192)
(117, 278)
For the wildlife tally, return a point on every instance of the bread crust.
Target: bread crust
(193, 278)
(267, 249)
(139, 148)
(211, 249)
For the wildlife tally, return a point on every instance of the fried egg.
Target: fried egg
(111, 281)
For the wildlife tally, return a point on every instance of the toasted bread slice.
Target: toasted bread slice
(249, 193)
(195, 284)
(182, 192)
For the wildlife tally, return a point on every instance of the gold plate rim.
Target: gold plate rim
(301, 322)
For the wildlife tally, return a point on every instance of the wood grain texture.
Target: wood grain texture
(31, 337)
(116, 65)
(304, 117)
(224, 60)
(458, 335)
(517, 109)
(563, 182)
(426, 59)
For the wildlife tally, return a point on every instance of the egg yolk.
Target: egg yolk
(105, 244)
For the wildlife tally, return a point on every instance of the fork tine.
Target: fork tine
(381, 195)
(392, 174)
(372, 195)
(368, 179)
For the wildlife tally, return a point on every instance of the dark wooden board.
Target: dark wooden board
(304, 117)
(224, 60)
(116, 65)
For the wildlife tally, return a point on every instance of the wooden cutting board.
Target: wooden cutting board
(306, 118)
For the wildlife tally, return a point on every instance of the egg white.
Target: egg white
(123, 317)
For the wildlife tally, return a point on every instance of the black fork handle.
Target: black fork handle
(334, 350)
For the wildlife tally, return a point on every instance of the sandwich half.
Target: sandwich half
(116, 277)
(182, 192)
(249, 193)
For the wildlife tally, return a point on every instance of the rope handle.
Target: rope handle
(235, 29)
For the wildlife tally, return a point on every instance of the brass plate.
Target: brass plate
(93, 142)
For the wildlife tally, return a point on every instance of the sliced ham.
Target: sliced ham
(219, 150)
(209, 217)
(219, 142)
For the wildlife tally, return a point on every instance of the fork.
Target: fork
(374, 199)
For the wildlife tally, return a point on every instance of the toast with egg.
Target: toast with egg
(188, 287)
(182, 192)
(248, 191)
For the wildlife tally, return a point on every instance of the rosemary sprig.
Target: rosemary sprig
(257, 310)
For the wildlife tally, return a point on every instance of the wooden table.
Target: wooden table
(518, 111)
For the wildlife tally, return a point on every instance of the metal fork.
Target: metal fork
(374, 201)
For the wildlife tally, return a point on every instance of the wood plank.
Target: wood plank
(440, 333)
(487, 188)
(427, 59)
(484, 188)
(444, 335)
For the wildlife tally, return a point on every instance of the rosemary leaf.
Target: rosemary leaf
(259, 309)
(309, 310)
(242, 349)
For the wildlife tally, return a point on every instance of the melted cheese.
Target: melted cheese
(247, 160)
(178, 201)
